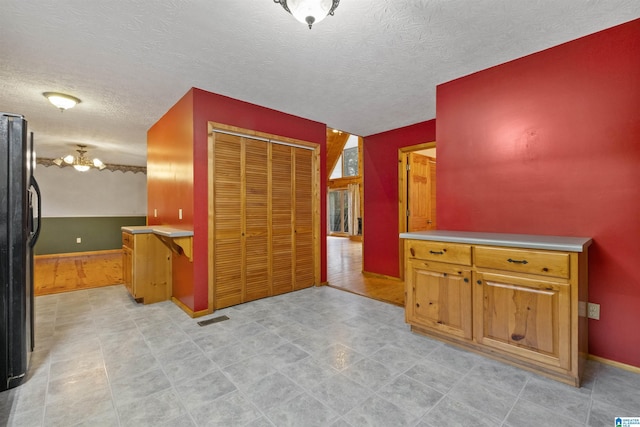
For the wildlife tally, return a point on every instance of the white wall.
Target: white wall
(69, 193)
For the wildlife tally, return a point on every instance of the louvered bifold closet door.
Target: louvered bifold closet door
(282, 218)
(256, 227)
(227, 220)
(303, 218)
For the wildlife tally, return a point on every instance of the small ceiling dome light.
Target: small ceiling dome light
(309, 11)
(61, 100)
(80, 162)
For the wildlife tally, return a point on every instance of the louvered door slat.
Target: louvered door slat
(303, 181)
(227, 221)
(282, 217)
(257, 283)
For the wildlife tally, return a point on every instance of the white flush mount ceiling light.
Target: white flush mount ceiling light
(309, 11)
(80, 162)
(61, 100)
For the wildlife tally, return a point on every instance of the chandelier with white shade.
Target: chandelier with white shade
(309, 11)
(80, 162)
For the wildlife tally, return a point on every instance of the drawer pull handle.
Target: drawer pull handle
(466, 280)
(438, 252)
(518, 261)
(517, 337)
(413, 252)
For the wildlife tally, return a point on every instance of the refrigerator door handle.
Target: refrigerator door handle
(36, 233)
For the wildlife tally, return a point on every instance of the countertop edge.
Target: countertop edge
(172, 232)
(137, 229)
(555, 243)
(161, 230)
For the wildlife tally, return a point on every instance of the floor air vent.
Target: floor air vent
(214, 320)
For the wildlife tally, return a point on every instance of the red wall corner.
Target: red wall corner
(170, 183)
(380, 225)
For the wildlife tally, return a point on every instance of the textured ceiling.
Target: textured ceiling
(372, 67)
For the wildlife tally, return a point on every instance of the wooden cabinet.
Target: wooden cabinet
(529, 318)
(262, 219)
(525, 306)
(439, 297)
(127, 262)
(146, 264)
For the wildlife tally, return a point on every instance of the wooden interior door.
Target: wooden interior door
(262, 218)
(227, 221)
(256, 219)
(303, 218)
(421, 194)
(282, 218)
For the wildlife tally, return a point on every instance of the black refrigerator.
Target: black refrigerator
(19, 229)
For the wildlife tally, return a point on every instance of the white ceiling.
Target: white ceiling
(372, 67)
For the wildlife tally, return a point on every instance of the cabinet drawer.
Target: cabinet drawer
(439, 251)
(127, 240)
(553, 264)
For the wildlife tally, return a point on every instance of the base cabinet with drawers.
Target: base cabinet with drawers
(146, 263)
(521, 299)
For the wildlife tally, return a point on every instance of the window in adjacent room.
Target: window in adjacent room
(347, 164)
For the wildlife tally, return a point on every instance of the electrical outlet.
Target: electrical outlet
(78, 239)
(155, 213)
(179, 213)
(594, 311)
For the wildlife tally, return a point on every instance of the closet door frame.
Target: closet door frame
(274, 139)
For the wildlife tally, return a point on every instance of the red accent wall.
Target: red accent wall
(170, 182)
(550, 144)
(380, 226)
(177, 146)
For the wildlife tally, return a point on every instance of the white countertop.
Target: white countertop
(555, 243)
(137, 229)
(161, 230)
(167, 231)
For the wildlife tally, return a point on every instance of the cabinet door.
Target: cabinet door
(282, 218)
(303, 218)
(439, 297)
(256, 220)
(157, 285)
(228, 271)
(127, 268)
(525, 317)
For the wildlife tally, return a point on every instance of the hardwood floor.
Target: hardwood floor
(71, 272)
(344, 271)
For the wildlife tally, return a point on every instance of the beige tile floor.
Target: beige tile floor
(316, 357)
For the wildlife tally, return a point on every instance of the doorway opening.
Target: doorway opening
(345, 230)
(338, 211)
